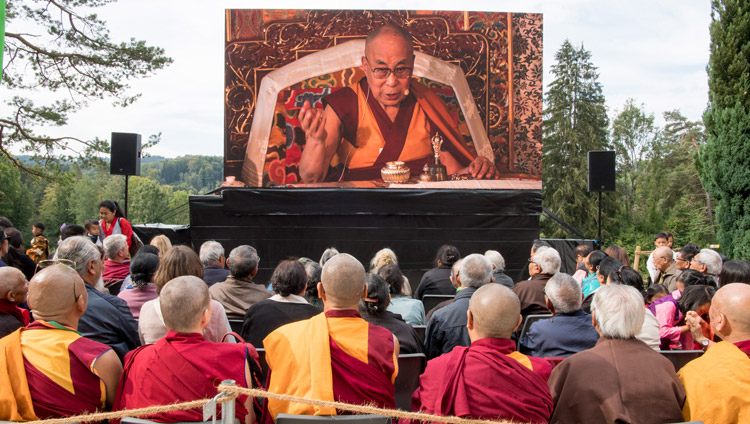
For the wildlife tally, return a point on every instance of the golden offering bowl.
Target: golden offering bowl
(395, 172)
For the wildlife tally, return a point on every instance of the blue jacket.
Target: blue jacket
(108, 320)
(560, 336)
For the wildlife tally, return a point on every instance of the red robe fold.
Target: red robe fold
(178, 368)
(481, 381)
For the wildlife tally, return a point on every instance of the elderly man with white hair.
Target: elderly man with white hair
(569, 331)
(543, 264)
(446, 328)
(498, 268)
(107, 319)
(213, 260)
(239, 292)
(620, 379)
(709, 263)
(117, 264)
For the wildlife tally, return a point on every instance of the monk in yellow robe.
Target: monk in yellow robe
(335, 355)
(47, 369)
(384, 117)
(717, 384)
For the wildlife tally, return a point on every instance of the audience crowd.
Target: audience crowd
(108, 325)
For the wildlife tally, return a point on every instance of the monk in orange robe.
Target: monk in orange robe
(384, 117)
(183, 366)
(717, 383)
(47, 369)
(489, 379)
(335, 355)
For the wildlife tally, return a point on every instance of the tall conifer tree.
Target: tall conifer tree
(575, 122)
(725, 161)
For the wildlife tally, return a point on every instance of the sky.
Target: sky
(652, 51)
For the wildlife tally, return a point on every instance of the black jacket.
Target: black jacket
(408, 339)
(446, 328)
(108, 320)
(213, 274)
(435, 281)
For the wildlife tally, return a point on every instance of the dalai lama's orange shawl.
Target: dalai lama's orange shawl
(372, 139)
(301, 357)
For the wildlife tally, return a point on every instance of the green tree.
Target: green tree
(724, 161)
(633, 135)
(575, 122)
(55, 48)
(15, 200)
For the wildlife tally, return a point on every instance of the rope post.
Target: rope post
(227, 407)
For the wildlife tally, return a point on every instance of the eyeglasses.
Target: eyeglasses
(383, 73)
(64, 262)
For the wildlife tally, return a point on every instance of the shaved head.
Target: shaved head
(343, 280)
(13, 285)
(733, 301)
(182, 301)
(495, 310)
(54, 292)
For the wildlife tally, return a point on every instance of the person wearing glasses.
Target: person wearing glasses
(384, 117)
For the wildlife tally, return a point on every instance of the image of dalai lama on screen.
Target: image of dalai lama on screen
(384, 117)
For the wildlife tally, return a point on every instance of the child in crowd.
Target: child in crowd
(92, 229)
(655, 292)
(39, 249)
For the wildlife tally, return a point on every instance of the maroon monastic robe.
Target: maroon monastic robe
(481, 381)
(182, 367)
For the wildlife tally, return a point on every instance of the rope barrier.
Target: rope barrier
(139, 412)
(232, 391)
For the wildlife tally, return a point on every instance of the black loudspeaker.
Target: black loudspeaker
(601, 171)
(125, 158)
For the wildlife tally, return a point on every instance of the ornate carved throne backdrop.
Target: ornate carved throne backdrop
(500, 53)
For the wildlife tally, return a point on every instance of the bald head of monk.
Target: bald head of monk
(58, 294)
(342, 282)
(494, 312)
(13, 285)
(185, 304)
(730, 312)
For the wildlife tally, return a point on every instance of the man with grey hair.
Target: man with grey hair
(117, 263)
(543, 264)
(620, 379)
(709, 263)
(335, 355)
(664, 262)
(239, 292)
(446, 328)
(488, 379)
(212, 257)
(498, 268)
(569, 331)
(107, 319)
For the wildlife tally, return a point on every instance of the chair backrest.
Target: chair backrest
(527, 324)
(420, 330)
(324, 419)
(410, 367)
(263, 363)
(431, 300)
(679, 358)
(235, 325)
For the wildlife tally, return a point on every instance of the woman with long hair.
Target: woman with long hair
(113, 222)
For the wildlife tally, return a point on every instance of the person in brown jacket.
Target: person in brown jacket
(621, 379)
(239, 292)
(543, 264)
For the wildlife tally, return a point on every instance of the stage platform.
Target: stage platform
(414, 222)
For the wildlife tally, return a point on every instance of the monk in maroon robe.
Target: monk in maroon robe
(385, 117)
(335, 355)
(489, 379)
(183, 366)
